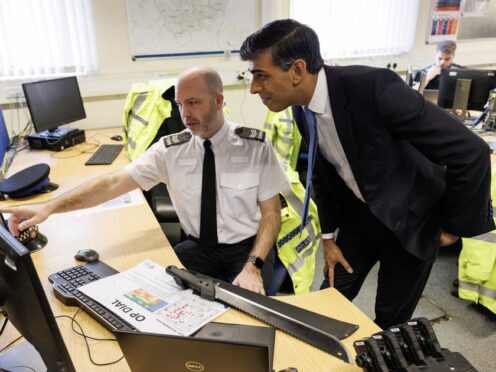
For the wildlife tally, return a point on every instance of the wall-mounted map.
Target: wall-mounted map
(174, 28)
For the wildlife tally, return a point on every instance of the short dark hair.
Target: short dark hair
(446, 47)
(288, 40)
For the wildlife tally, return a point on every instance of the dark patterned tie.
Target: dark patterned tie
(208, 217)
(312, 151)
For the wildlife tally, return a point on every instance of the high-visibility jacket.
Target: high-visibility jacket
(477, 265)
(284, 135)
(144, 112)
(296, 247)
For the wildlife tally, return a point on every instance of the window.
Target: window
(359, 28)
(40, 38)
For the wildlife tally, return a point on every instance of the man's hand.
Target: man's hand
(24, 217)
(434, 71)
(447, 239)
(250, 278)
(333, 256)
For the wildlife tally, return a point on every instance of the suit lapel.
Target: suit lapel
(343, 120)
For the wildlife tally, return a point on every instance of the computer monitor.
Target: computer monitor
(53, 103)
(24, 303)
(4, 146)
(477, 84)
(409, 76)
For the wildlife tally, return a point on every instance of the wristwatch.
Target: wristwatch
(257, 261)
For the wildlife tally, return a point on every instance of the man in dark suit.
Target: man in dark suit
(395, 177)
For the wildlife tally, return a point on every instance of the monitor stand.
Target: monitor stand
(460, 99)
(57, 132)
(23, 355)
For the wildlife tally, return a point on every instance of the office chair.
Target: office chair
(158, 197)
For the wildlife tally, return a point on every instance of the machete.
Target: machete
(317, 330)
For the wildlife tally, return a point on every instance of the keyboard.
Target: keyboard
(105, 155)
(65, 286)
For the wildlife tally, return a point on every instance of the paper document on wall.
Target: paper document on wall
(149, 299)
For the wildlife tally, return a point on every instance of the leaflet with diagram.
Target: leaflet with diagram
(149, 299)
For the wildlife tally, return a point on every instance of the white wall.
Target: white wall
(104, 92)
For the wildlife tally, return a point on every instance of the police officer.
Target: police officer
(248, 180)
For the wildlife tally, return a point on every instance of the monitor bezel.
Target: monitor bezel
(32, 105)
(36, 322)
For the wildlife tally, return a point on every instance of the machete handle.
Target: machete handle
(204, 286)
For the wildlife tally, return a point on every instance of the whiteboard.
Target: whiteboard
(175, 28)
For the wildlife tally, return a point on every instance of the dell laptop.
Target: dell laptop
(215, 348)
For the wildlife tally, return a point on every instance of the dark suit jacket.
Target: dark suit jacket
(418, 168)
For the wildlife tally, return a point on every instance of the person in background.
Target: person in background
(395, 177)
(445, 54)
(244, 219)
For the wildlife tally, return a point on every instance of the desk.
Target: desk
(126, 236)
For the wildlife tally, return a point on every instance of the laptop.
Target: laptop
(216, 347)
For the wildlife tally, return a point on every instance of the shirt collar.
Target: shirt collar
(320, 95)
(217, 137)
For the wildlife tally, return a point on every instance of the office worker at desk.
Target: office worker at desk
(396, 175)
(443, 59)
(244, 219)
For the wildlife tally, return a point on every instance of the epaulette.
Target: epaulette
(177, 138)
(250, 133)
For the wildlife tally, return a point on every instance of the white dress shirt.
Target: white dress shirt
(329, 144)
(247, 171)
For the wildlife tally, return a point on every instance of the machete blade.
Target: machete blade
(317, 330)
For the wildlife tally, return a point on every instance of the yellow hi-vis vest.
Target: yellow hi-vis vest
(284, 135)
(477, 265)
(477, 270)
(144, 112)
(296, 248)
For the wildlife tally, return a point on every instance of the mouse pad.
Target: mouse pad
(240, 332)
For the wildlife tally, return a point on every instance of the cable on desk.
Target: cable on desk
(83, 334)
(16, 367)
(10, 344)
(4, 324)
(63, 154)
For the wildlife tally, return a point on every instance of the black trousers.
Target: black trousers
(402, 276)
(224, 261)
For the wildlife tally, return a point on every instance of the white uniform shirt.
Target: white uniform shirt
(329, 144)
(247, 171)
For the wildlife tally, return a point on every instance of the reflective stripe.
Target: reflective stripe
(488, 292)
(131, 143)
(300, 261)
(136, 106)
(297, 205)
(138, 118)
(481, 290)
(289, 121)
(487, 237)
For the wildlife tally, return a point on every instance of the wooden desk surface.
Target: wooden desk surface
(126, 236)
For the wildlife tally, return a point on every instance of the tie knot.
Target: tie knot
(207, 144)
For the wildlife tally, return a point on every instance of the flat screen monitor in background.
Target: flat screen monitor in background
(24, 303)
(409, 76)
(457, 86)
(4, 147)
(53, 103)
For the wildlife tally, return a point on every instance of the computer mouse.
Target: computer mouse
(116, 137)
(86, 255)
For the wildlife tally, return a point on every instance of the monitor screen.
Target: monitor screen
(481, 82)
(54, 102)
(23, 301)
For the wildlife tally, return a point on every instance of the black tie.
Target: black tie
(208, 219)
